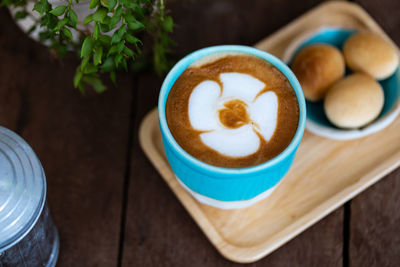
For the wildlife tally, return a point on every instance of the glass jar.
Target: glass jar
(28, 236)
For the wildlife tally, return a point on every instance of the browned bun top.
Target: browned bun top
(354, 101)
(317, 67)
(370, 53)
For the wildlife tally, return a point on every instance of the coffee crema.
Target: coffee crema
(233, 111)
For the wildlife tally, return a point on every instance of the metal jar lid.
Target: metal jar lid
(22, 188)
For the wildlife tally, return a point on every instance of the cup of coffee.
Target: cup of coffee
(231, 120)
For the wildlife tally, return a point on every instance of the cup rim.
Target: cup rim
(179, 67)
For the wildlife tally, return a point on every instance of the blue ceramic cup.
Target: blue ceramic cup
(228, 188)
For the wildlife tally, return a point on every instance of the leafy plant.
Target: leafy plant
(110, 38)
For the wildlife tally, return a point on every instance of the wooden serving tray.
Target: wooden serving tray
(325, 174)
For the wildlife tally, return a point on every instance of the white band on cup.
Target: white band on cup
(226, 205)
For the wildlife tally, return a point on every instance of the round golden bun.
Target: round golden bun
(354, 101)
(317, 67)
(370, 53)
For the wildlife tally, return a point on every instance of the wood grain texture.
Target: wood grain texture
(202, 23)
(165, 235)
(80, 140)
(82, 146)
(14, 55)
(374, 223)
(384, 13)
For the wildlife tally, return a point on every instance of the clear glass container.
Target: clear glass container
(28, 236)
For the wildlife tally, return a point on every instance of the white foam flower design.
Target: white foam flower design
(208, 98)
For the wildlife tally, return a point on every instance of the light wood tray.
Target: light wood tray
(324, 175)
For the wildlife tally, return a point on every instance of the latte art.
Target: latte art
(234, 114)
(233, 118)
(232, 111)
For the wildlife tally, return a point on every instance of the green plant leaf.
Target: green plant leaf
(31, 29)
(87, 46)
(95, 82)
(90, 68)
(73, 18)
(104, 3)
(159, 59)
(111, 4)
(49, 21)
(59, 48)
(140, 12)
(130, 18)
(46, 5)
(108, 65)
(100, 14)
(43, 36)
(58, 11)
(132, 39)
(128, 51)
(121, 32)
(113, 50)
(106, 20)
(130, 4)
(98, 86)
(117, 36)
(105, 27)
(88, 19)
(96, 31)
(118, 59)
(118, 11)
(42, 6)
(93, 3)
(67, 32)
(84, 63)
(105, 39)
(61, 23)
(21, 15)
(168, 24)
(114, 20)
(121, 46)
(98, 53)
(39, 8)
(135, 26)
(77, 77)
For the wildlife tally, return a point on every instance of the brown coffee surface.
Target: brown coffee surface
(234, 113)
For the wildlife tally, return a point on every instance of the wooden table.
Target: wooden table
(111, 206)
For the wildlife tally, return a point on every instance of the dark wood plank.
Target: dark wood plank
(204, 23)
(14, 55)
(383, 12)
(374, 225)
(374, 215)
(159, 232)
(81, 141)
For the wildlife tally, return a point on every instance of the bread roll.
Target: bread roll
(354, 101)
(370, 53)
(317, 67)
